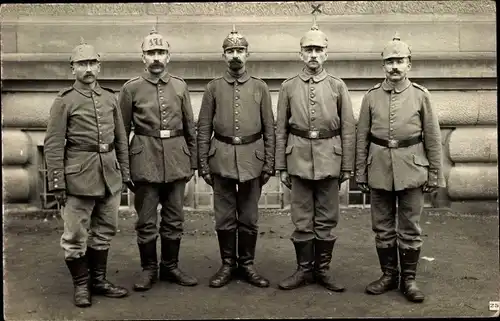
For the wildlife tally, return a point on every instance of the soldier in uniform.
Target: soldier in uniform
(86, 173)
(315, 138)
(162, 160)
(239, 159)
(398, 159)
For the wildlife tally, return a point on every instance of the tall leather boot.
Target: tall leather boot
(323, 256)
(227, 247)
(169, 269)
(79, 271)
(246, 253)
(409, 262)
(305, 265)
(98, 261)
(388, 258)
(149, 264)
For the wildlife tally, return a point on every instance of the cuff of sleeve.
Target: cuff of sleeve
(361, 179)
(433, 178)
(56, 180)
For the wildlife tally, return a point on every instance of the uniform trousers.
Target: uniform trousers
(314, 208)
(236, 204)
(404, 231)
(147, 198)
(89, 221)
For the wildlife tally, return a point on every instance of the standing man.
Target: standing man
(86, 173)
(398, 158)
(162, 160)
(239, 160)
(315, 138)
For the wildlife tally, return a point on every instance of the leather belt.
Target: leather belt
(393, 143)
(97, 148)
(238, 140)
(314, 134)
(165, 133)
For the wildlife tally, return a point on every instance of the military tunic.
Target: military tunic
(314, 102)
(236, 107)
(93, 180)
(397, 174)
(159, 166)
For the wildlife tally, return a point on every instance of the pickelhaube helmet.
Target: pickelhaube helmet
(84, 52)
(396, 49)
(234, 40)
(314, 37)
(154, 41)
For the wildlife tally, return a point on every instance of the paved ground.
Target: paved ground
(459, 280)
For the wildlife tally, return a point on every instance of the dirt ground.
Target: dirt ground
(458, 272)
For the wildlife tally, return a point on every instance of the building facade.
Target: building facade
(454, 56)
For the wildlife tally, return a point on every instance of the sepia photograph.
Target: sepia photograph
(249, 160)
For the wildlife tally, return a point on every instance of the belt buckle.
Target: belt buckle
(165, 133)
(313, 133)
(393, 143)
(103, 148)
(236, 140)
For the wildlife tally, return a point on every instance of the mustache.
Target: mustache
(157, 64)
(236, 60)
(89, 74)
(395, 72)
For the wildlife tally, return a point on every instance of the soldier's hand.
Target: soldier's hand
(364, 187)
(429, 189)
(285, 179)
(208, 179)
(264, 178)
(60, 196)
(344, 176)
(131, 186)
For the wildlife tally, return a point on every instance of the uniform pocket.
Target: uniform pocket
(136, 150)
(260, 155)
(72, 169)
(337, 150)
(288, 149)
(186, 150)
(257, 96)
(420, 160)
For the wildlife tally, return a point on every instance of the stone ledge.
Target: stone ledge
(290, 8)
(16, 147)
(474, 144)
(16, 184)
(473, 181)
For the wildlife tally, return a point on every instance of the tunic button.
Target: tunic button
(312, 95)
(55, 185)
(237, 105)
(161, 98)
(164, 120)
(312, 111)
(237, 127)
(312, 102)
(313, 118)
(100, 133)
(163, 105)
(392, 120)
(237, 98)
(392, 129)
(236, 112)
(55, 179)
(312, 88)
(236, 120)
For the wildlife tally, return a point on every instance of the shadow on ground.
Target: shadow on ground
(460, 275)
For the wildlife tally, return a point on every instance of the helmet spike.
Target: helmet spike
(234, 28)
(153, 31)
(82, 41)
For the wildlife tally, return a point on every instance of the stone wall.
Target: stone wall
(453, 45)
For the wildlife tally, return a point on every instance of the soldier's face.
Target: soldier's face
(156, 60)
(313, 56)
(86, 71)
(396, 68)
(235, 58)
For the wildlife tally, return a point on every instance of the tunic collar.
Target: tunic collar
(400, 87)
(230, 79)
(87, 92)
(316, 78)
(155, 79)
